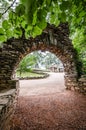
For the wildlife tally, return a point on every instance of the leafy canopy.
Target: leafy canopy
(33, 16)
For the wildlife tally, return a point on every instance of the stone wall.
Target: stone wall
(82, 84)
(55, 40)
(8, 99)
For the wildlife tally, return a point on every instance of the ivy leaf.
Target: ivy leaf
(34, 18)
(42, 24)
(52, 18)
(3, 38)
(17, 32)
(56, 22)
(36, 31)
(17, 21)
(29, 28)
(83, 13)
(9, 33)
(78, 20)
(27, 31)
(2, 31)
(27, 34)
(23, 24)
(11, 15)
(5, 24)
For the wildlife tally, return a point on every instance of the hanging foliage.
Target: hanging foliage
(33, 16)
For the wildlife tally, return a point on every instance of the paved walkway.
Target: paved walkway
(45, 105)
(52, 84)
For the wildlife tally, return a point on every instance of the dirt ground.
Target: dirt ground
(44, 104)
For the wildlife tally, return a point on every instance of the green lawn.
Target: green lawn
(29, 74)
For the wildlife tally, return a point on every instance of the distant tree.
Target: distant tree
(26, 64)
(38, 59)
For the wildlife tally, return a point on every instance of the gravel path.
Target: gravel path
(46, 105)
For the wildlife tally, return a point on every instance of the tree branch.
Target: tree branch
(9, 7)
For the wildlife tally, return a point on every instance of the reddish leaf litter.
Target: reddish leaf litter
(45, 105)
(58, 111)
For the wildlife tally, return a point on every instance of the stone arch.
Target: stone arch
(54, 39)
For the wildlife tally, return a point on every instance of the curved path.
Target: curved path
(46, 105)
(52, 84)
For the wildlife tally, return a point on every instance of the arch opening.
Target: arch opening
(39, 60)
(40, 72)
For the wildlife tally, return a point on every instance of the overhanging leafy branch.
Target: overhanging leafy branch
(9, 7)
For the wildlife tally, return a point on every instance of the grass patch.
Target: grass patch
(28, 74)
